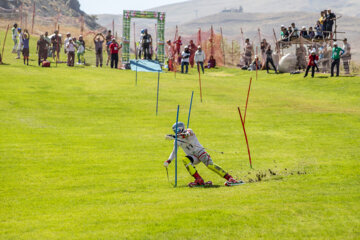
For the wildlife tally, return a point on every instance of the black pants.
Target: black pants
(270, 60)
(335, 62)
(114, 60)
(312, 71)
(317, 67)
(146, 49)
(329, 27)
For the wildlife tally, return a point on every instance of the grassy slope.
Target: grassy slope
(81, 154)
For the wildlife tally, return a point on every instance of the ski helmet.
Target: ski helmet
(180, 127)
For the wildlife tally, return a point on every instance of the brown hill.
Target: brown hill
(47, 9)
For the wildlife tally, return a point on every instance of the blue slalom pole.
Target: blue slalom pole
(157, 96)
(136, 73)
(192, 95)
(176, 147)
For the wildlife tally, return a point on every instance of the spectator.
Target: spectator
(99, 48)
(185, 59)
(324, 24)
(318, 31)
(211, 62)
(141, 50)
(178, 44)
(263, 47)
(26, 47)
(193, 49)
(114, 50)
(199, 59)
(311, 33)
(322, 18)
(284, 34)
(56, 42)
(295, 31)
(290, 31)
(249, 50)
(70, 49)
(336, 54)
(80, 50)
(301, 53)
(315, 48)
(68, 36)
(255, 65)
(304, 33)
(170, 55)
(46, 38)
(14, 37)
(330, 18)
(20, 44)
(269, 59)
(42, 49)
(346, 57)
(109, 38)
(146, 43)
(313, 58)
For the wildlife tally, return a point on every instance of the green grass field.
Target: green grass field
(81, 154)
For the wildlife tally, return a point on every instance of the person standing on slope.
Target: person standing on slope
(14, 37)
(336, 54)
(195, 153)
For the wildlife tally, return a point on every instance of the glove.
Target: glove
(166, 163)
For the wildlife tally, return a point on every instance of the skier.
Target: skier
(195, 153)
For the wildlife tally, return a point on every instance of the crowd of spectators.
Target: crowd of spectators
(190, 56)
(50, 46)
(323, 28)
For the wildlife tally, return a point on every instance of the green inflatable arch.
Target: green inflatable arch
(128, 15)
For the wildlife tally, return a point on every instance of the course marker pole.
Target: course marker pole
(247, 99)
(200, 82)
(257, 63)
(176, 147)
(33, 19)
(2, 51)
(157, 96)
(57, 46)
(136, 72)
(188, 122)
(247, 143)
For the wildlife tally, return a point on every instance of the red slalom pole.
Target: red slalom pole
(247, 99)
(247, 143)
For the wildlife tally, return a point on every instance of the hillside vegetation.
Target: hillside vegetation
(51, 8)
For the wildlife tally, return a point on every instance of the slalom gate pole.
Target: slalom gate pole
(176, 147)
(200, 82)
(247, 100)
(136, 73)
(247, 143)
(136, 53)
(157, 96)
(57, 50)
(256, 63)
(33, 19)
(188, 122)
(2, 51)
